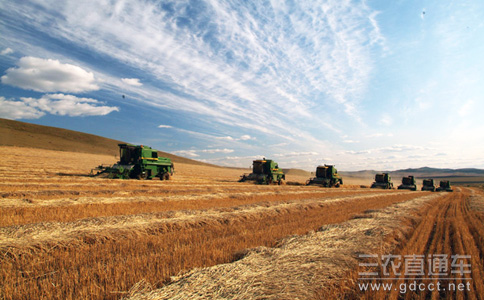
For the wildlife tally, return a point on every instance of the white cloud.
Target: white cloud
(165, 126)
(296, 154)
(194, 152)
(232, 60)
(186, 153)
(132, 81)
(6, 51)
(49, 75)
(14, 110)
(244, 137)
(55, 104)
(228, 138)
(217, 150)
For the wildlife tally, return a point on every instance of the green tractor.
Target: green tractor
(444, 186)
(408, 183)
(264, 171)
(428, 185)
(139, 162)
(382, 181)
(327, 176)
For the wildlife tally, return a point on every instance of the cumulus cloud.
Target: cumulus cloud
(49, 75)
(132, 81)
(14, 110)
(55, 104)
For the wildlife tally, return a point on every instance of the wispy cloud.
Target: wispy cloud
(6, 51)
(165, 126)
(264, 65)
(132, 81)
(195, 153)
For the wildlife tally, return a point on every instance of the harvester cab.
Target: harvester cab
(382, 181)
(326, 176)
(444, 186)
(264, 171)
(428, 185)
(408, 183)
(138, 161)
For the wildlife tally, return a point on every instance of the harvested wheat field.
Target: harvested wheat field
(203, 235)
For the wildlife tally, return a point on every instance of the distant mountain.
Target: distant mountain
(437, 172)
(442, 171)
(21, 134)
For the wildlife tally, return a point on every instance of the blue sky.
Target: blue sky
(359, 84)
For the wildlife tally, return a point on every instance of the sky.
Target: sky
(381, 85)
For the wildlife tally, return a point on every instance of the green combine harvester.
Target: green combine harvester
(382, 181)
(137, 162)
(265, 171)
(408, 183)
(428, 185)
(326, 176)
(444, 186)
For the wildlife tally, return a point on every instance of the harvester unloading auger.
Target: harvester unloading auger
(265, 171)
(326, 176)
(137, 162)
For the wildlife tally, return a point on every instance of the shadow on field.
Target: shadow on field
(73, 175)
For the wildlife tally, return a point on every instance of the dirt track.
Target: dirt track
(65, 235)
(453, 225)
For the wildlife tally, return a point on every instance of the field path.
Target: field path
(452, 228)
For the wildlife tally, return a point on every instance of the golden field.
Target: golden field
(65, 235)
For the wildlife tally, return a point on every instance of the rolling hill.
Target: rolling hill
(21, 134)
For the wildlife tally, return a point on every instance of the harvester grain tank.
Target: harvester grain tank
(408, 183)
(137, 161)
(428, 185)
(382, 181)
(264, 171)
(327, 176)
(444, 186)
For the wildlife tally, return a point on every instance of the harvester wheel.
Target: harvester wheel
(165, 176)
(143, 176)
